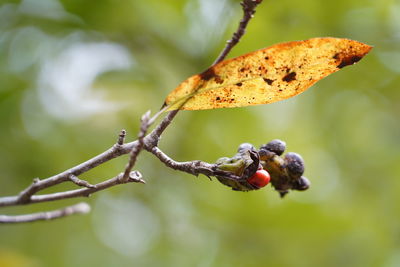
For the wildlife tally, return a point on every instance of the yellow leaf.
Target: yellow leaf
(265, 76)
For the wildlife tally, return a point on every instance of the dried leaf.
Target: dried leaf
(265, 76)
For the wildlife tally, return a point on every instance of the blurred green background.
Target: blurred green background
(73, 73)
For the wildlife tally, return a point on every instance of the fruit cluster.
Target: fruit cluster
(254, 168)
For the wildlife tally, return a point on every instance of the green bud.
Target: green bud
(222, 160)
(234, 165)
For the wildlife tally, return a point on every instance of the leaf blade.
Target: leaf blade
(268, 75)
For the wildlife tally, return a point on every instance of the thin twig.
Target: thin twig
(144, 125)
(194, 167)
(80, 208)
(154, 137)
(25, 196)
(80, 182)
(82, 192)
(249, 8)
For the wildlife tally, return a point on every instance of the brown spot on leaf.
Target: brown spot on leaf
(218, 79)
(269, 81)
(348, 61)
(208, 74)
(217, 98)
(266, 58)
(289, 77)
(239, 84)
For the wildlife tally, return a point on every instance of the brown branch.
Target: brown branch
(80, 182)
(154, 137)
(25, 196)
(149, 142)
(194, 167)
(144, 125)
(80, 208)
(135, 177)
(249, 8)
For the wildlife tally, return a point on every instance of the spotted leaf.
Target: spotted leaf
(265, 76)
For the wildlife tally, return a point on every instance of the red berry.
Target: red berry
(260, 179)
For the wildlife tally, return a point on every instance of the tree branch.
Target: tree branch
(80, 208)
(26, 195)
(194, 167)
(135, 177)
(249, 8)
(148, 142)
(154, 137)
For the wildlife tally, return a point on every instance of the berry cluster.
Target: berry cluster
(254, 168)
(286, 172)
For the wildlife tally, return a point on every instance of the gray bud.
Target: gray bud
(302, 184)
(244, 147)
(277, 146)
(294, 164)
